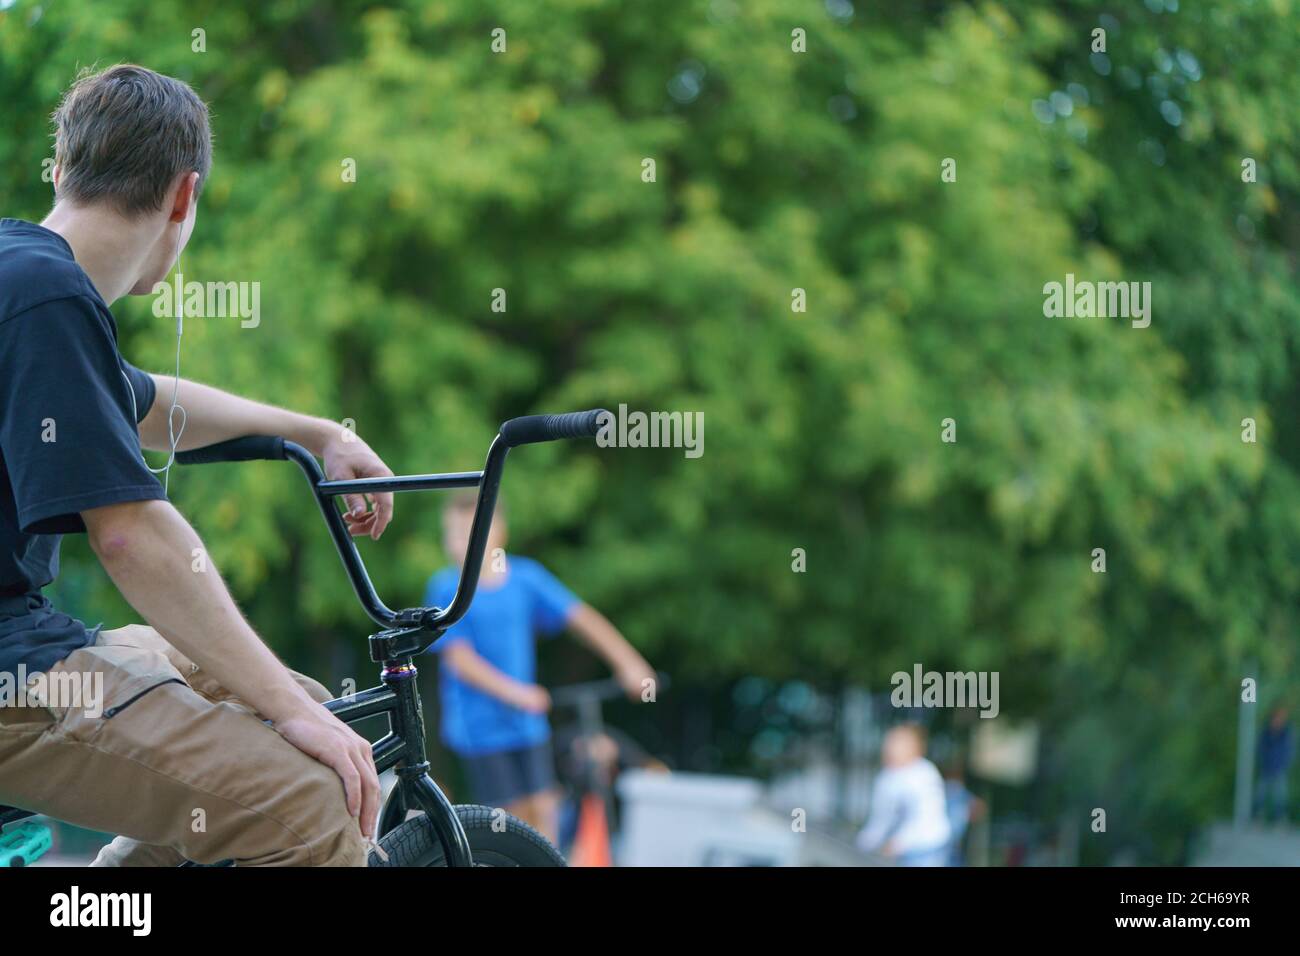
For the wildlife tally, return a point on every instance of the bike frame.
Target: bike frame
(410, 631)
(407, 633)
(398, 698)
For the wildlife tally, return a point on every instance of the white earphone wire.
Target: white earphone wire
(173, 433)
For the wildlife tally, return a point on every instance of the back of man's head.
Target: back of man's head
(122, 137)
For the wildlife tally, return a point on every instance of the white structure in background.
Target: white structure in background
(1228, 844)
(1005, 752)
(826, 791)
(687, 819)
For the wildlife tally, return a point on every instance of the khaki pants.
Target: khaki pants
(174, 763)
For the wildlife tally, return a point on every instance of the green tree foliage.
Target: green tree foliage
(521, 170)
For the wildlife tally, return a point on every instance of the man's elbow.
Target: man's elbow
(117, 532)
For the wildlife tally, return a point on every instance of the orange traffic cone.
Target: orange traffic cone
(591, 845)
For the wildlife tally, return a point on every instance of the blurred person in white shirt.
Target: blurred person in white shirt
(908, 820)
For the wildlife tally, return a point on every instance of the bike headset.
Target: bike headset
(173, 434)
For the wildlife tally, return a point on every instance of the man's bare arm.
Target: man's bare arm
(147, 549)
(212, 416)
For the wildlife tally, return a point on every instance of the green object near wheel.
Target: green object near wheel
(24, 844)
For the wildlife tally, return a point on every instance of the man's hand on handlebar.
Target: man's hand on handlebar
(347, 457)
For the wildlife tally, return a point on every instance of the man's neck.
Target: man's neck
(110, 248)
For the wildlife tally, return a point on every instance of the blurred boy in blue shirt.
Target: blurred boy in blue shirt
(493, 709)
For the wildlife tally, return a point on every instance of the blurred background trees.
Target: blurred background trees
(522, 170)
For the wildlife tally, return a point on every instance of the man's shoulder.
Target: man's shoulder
(37, 270)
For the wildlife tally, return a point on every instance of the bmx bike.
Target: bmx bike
(440, 834)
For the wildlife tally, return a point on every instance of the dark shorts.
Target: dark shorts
(500, 778)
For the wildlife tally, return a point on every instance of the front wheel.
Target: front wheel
(495, 839)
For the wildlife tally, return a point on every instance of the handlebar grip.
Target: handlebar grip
(537, 428)
(248, 448)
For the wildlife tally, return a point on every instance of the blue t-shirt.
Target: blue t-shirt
(69, 404)
(502, 625)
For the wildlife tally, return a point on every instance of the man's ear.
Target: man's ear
(184, 196)
(55, 172)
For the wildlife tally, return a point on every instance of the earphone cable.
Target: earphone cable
(173, 433)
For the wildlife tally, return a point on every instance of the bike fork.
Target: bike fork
(415, 788)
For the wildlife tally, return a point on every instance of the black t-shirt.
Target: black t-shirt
(69, 405)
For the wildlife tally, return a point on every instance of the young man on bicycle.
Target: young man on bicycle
(493, 709)
(175, 753)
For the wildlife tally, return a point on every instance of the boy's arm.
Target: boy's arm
(212, 416)
(474, 670)
(595, 630)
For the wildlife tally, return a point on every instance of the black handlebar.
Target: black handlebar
(527, 430)
(248, 448)
(412, 621)
(538, 428)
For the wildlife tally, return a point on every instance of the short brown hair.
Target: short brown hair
(123, 135)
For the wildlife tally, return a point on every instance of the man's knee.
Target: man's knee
(142, 635)
(314, 688)
(340, 845)
(327, 834)
(300, 819)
